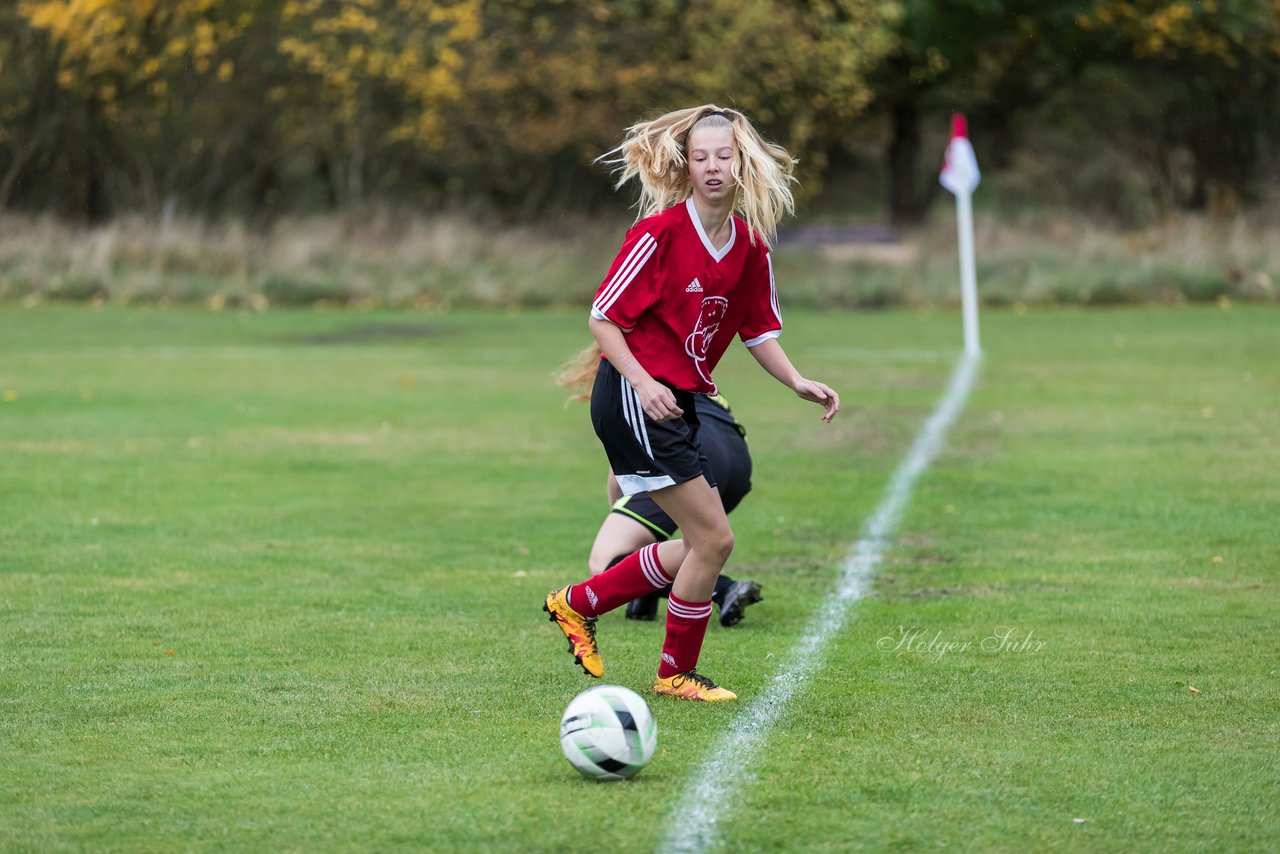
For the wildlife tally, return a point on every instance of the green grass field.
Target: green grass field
(273, 581)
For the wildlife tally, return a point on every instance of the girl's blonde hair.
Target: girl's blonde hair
(579, 373)
(655, 151)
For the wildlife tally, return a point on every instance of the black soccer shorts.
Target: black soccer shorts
(645, 455)
(721, 441)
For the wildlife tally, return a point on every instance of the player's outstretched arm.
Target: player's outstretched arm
(774, 359)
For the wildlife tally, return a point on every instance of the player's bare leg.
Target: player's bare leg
(697, 559)
(618, 535)
(706, 538)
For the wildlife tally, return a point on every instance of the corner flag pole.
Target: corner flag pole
(960, 175)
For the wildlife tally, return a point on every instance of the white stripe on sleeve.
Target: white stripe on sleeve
(773, 289)
(631, 266)
(760, 339)
(773, 305)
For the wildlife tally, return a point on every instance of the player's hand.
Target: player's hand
(821, 394)
(658, 401)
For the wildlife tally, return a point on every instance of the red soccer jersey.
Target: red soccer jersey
(680, 301)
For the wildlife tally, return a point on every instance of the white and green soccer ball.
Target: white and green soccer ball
(608, 733)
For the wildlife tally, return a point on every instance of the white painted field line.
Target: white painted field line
(694, 823)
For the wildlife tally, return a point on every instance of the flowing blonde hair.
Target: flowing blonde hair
(655, 152)
(579, 373)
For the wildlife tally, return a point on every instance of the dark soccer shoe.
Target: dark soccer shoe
(735, 601)
(644, 608)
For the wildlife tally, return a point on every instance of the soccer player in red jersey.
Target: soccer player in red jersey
(635, 521)
(689, 277)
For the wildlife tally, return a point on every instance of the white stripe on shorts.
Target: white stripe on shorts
(632, 411)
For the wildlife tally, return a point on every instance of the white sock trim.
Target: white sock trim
(652, 570)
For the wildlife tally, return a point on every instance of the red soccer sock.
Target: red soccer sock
(634, 576)
(686, 627)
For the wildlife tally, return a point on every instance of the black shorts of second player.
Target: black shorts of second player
(645, 455)
(726, 449)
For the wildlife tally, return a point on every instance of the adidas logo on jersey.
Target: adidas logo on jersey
(695, 287)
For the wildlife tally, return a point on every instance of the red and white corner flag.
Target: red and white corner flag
(960, 175)
(959, 165)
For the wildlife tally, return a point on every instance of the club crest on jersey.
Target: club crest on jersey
(695, 287)
(698, 342)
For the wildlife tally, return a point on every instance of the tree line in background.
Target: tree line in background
(263, 107)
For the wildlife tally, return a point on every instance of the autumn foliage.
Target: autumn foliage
(276, 105)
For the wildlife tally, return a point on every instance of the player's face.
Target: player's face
(711, 152)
